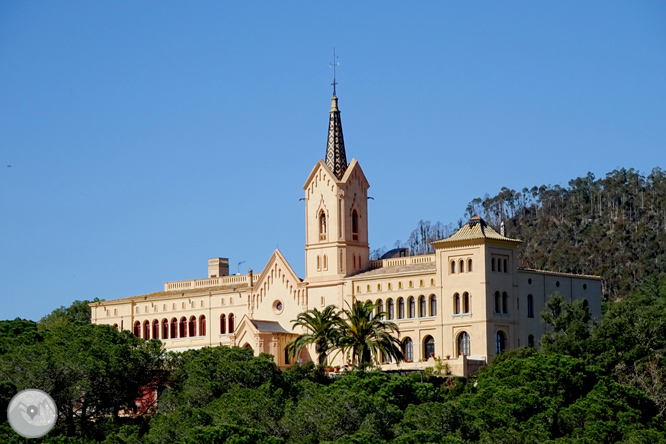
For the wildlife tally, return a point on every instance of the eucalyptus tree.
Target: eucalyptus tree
(366, 334)
(322, 330)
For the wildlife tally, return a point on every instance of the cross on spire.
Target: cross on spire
(333, 65)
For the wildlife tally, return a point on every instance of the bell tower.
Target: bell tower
(336, 211)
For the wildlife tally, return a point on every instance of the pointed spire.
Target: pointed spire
(336, 158)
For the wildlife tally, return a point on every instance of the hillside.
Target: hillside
(614, 227)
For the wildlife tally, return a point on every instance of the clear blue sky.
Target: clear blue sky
(146, 137)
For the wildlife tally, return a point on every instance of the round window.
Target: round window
(277, 307)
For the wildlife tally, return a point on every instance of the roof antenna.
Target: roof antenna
(333, 65)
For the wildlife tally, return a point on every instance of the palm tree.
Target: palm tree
(365, 335)
(322, 330)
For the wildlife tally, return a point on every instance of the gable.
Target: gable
(278, 293)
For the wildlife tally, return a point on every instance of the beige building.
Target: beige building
(465, 303)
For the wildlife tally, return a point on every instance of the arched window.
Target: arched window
(156, 329)
(463, 344)
(428, 347)
(422, 306)
(462, 266)
(401, 308)
(380, 306)
(530, 306)
(137, 329)
(183, 328)
(500, 342)
(493, 262)
(505, 302)
(318, 263)
(469, 265)
(412, 307)
(354, 256)
(505, 267)
(389, 307)
(465, 302)
(192, 330)
(174, 328)
(433, 305)
(223, 324)
(408, 346)
(453, 267)
(498, 302)
(322, 225)
(231, 323)
(325, 262)
(146, 330)
(202, 325)
(530, 341)
(165, 329)
(354, 225)
(456, 303)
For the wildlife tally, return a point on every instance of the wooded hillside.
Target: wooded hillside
(614, 227)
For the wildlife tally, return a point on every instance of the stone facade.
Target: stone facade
(464, 303)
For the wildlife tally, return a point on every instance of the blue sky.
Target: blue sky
(146, 137)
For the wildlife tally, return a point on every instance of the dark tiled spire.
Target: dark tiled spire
(336, 158)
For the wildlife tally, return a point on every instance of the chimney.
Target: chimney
(218, 267)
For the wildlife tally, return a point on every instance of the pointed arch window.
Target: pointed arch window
(202, 325)
(465, 302)
(463, 344)
(408, 347)
(428, 347)
(500, 342)
(322, 225)
(192, 326)
(411, 307)
(165, 329)
(354, 225)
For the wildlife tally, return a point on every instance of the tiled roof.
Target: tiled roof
(558, 273)
(175, 293)
(476, 228)
(269, 326)
(427, 267)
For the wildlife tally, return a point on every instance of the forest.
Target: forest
(589, 381)
(613, 227)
